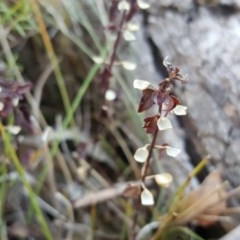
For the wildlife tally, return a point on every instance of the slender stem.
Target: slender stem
(117, 41)
(149, 155)
(151, 149)
(144, 174)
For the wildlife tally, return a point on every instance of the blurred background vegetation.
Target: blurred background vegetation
(69, 149)
(62, 173)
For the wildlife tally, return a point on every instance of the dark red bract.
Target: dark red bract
(150, 123)
(11, 91)
(160, 96)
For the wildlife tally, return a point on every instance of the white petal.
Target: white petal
(180, 110)
(163, 179)
(46, 134)
(97, 59)
(143, 5)
(129, 65)
(132, 27)
(129, 36)
(173, 152)
(147, 197)
(164, 123)
(124, 5)
(141, 154)
(15, 101)
(13, 129)
(141, 84)
(1, 106)
(110, 95)
(165, 62)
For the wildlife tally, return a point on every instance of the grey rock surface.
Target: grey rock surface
(205, 43)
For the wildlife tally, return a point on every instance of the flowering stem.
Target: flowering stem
(153, 143)
(144, 174)
(117, 41)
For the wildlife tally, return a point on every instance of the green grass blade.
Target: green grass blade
(10, 152)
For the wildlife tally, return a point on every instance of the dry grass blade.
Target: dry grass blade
(95, 197)
(204, 200)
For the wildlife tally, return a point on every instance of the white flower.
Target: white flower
(163, 179)
(164, 123)
(143, 4)
(46, 134)
(147, 197)
(110, 95)
(129, 65)
(124, 5)
(173, 152)
(15, 101)
(180, 110)
(98, 59)
(13, 129)
(141, 154)
(141, 84)
(1, 106)
(129, 36)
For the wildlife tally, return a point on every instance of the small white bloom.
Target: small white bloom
(124, 5)
(110, 95)
(129, 65)
(15, 101)
(180, 110)
(173, 152)
(163, 179)
(1, 106)
(141, 154)
(147, 197)
(165, 62)
(143, 5)
(132, 27)
(13, 129)
(164, 123)
(128, 36)
(141, 84)
(97, 59)
(46, 135)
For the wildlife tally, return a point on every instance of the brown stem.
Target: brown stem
(117, 41)
(138, 200)
(149, 155)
